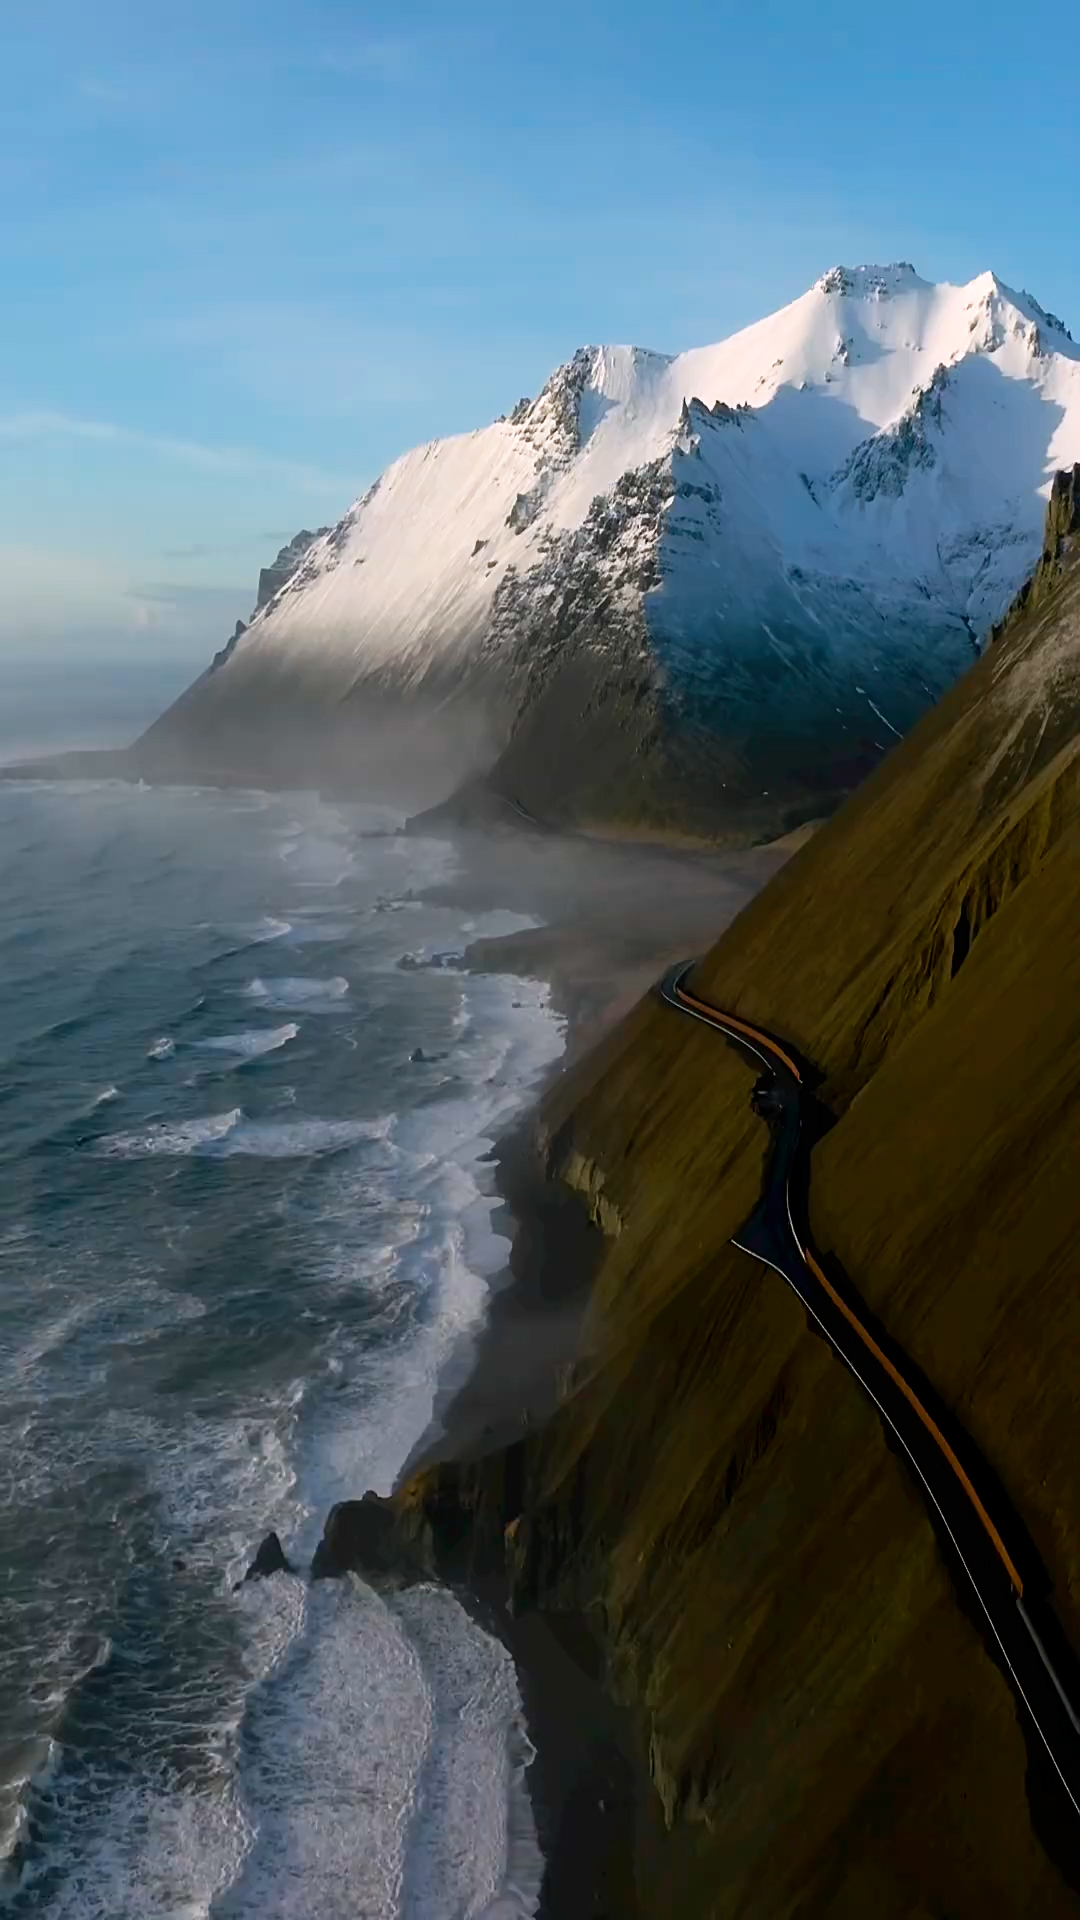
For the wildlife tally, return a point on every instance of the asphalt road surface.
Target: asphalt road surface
(986, 1536)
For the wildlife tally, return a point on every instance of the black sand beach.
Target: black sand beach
(615, 916)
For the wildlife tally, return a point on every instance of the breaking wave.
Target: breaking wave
(297, 990)
(230, 1133)
(252, 1043)
(221, 1322)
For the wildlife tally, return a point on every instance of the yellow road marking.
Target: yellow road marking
(912, 1398)
(927, 1419)
(751, 1032)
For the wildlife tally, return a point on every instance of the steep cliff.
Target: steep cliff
(827, 1730)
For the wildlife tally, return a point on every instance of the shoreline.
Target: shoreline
(589, 1783)
(598, 955)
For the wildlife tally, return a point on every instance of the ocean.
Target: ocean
(246, 1215)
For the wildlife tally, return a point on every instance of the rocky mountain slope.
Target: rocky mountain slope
(274, 578)
(706, 590)
(827, 1729)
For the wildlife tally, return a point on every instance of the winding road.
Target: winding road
(1012, 1602)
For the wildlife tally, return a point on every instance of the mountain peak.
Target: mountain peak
(766, 554)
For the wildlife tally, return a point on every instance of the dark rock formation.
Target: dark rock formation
(270, 1558)
(271, 581)
(1062, 526)
(362, 1536)
(226, 652)
(278, 575)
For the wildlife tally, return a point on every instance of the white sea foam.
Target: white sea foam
(371, 1757)
(276, 1140)
(253, 1042)
(332, 1750)
(402, 1706)
(472, 1845)
(152, 1847)
(175, 1137)
(301, 991)
(162, 1049)
(318, 852)
(106, 1097)
(221, 1134)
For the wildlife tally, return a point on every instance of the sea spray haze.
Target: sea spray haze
(241, 1228)
(50, 706)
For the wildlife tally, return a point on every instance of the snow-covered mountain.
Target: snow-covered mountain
(707, 589)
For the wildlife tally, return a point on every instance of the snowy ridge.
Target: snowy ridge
(867, 467)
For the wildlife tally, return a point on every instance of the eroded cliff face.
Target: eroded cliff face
(826, 1728)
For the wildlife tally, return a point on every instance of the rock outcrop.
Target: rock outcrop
(270, 1558)
(362, 1536)
(280, 571)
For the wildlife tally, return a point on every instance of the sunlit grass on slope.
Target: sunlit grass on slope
(826, 1730)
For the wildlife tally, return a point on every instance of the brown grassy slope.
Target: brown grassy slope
(828, 1734)
(775, 1597)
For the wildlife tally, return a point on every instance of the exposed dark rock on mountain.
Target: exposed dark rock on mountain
(281, 570)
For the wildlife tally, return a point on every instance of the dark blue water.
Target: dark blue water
(241, 1229)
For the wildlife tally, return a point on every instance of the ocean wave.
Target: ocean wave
(177, 1137)
(472, 1845)
(105, 1097)
(222, 1134)
(270, 928)
(250, 1044)
(151, 1847)
(405, 1707)
(313, 930)
(162, 1049)
(300, 990)
(331, 1307)
(280, 1140)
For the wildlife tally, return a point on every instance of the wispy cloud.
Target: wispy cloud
(45, 424)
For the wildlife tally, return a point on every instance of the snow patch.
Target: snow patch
(873, 458)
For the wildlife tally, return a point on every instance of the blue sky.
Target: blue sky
(252, 251)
